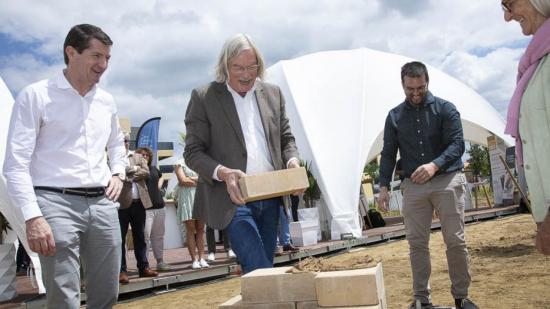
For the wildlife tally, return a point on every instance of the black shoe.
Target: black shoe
(422, 305)
(291, 248)
(465, 303)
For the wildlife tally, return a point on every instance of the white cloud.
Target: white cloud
(163, 49)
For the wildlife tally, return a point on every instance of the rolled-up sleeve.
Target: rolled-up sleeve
(115, 147)
(453, 137)
(389, 152)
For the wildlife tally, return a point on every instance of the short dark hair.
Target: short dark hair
(414, 69)
(80, 35)
(142, 150)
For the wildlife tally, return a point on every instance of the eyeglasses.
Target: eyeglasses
(126, 141)
(240, 69)
(506, 5)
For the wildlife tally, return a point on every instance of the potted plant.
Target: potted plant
(313, 192)
(7, 263)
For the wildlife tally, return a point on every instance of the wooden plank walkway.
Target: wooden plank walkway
(180, 261)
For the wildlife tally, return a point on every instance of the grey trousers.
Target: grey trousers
(445, 195)
(85, 230)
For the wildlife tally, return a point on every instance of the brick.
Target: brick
(272, 285)
(236, 303)
(314, 305)
(273, 184)
(359, 287)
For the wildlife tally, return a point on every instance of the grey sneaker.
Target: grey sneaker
(465, 303)
(163, 266)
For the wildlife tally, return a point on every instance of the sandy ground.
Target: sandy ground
(507, 272)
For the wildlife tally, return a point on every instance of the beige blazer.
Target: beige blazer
(214, 136)
(137, 171)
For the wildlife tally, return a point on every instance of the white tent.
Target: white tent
(337, 102)
(14, 216)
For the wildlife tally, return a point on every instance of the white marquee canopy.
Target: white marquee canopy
(337, 102)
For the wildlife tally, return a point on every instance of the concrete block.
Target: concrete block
(275, 285)
(314, 305)
(304, 233)
(273, 184)
(236, 303)
(359, 287)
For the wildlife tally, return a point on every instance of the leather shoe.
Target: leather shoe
(123, 278)
(289, 247)
(147, 272)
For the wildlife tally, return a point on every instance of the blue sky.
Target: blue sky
(163, 49)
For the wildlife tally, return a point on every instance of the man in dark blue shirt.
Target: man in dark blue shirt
(427, 132)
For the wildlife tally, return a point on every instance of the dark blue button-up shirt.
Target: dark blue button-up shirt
(429, 132)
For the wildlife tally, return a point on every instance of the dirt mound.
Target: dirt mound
(313, 264)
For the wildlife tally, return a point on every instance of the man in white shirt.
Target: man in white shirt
(238, 124)
(58, 174)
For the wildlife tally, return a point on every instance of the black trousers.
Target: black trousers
(295, 201)
(135, 216)
(211, 240)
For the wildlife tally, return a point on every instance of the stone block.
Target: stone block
(236, 303)
(273, 184)
(359, 287)
(275, 285)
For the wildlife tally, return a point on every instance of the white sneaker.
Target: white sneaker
(231, 254)
(211, 257)
(203, 263)
(196, 265)
(163, 266)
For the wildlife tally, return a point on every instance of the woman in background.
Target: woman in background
(528, 119)
(154, 216)
(185, 197)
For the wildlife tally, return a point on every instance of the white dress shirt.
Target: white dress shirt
(58, 138)
(258, 159)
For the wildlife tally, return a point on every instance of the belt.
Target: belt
(88, 192)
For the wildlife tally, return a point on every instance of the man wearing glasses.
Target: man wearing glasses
(238, 125)
(427, 132)
(134, 199)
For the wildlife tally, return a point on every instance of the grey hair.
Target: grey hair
(231, 49)
(542, 6)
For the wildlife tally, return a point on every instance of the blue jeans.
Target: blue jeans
(284, 228)
(253, 233)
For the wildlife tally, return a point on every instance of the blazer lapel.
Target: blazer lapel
(228, 105)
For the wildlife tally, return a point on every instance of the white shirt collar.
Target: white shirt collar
(232, 91)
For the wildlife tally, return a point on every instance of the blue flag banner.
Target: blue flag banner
(148, 136)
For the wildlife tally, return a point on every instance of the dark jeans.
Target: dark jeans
(211, 240)
(135, 216)
(253, 233)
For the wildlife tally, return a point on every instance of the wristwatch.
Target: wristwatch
(120, 176)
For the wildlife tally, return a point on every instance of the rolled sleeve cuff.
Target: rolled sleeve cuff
(292, 159)
(215, 174)
(439, 162)
(30, 211)
(118, 169)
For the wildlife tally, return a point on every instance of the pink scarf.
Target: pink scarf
(537, 49)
